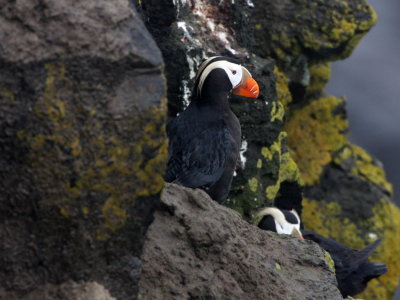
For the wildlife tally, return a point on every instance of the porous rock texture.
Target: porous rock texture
(65, 291)
(78, 179)
(198, 249)
(297, 134)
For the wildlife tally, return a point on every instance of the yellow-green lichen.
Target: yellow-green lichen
(365, 167)
(78, 153)
(6, 96)
(328, 30)
(325, 219)
(314, 133)
(329, 261)
(277, 111)
(253, 184)
(288, 170)
(319, 77)
(114, 215)
(386, 223)
(259, 164)
(282, 89)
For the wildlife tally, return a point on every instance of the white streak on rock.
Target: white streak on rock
(250, 3)
(186, 93)
(243, 149)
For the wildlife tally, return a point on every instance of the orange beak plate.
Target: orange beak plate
(250, 89)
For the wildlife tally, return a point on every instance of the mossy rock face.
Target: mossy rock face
(321, 30)
(265, 162)
(83, 112)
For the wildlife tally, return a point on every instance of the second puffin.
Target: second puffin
(205, 139)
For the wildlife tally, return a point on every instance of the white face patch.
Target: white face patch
(233, 71)
(282, 226)
(286, 227)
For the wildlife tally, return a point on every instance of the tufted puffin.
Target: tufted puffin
(352, 268)
(205, 139)
(281, 221)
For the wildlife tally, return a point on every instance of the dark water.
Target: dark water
(370, 79)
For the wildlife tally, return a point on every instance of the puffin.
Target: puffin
(281, 221)
(205, 139)
(352, 269)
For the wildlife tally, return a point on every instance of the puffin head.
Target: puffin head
(227, 73)
(280, 221)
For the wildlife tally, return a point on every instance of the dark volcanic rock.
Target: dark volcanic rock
(198, 249)
(82, 142)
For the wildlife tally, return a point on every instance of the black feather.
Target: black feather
(353, 270)
(204, 140)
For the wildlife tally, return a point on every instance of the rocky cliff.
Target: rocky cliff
(297, 135)
(83, 148)
(78, 179)
(198, 249)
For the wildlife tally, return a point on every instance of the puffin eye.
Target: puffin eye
(234, 72)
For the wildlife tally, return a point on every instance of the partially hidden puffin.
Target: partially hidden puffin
(281, 221)
(205, 139)
(352, 268)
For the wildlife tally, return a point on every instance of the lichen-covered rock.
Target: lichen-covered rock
(324, 30)
(297, 134)
(83, 147)
(198, 249)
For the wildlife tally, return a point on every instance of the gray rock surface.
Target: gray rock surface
(198, 249)
(66, 291)
(78, 179)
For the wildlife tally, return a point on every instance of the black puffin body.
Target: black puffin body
(352, 268)
(205, 139)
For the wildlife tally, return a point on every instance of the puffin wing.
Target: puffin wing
(199, 160)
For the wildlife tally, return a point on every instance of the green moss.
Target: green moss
(314, 133)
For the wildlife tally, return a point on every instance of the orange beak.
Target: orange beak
(250, 89)
(297, 233)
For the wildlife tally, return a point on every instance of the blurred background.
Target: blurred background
(370, 80)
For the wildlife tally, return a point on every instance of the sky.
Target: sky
(370, 80)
